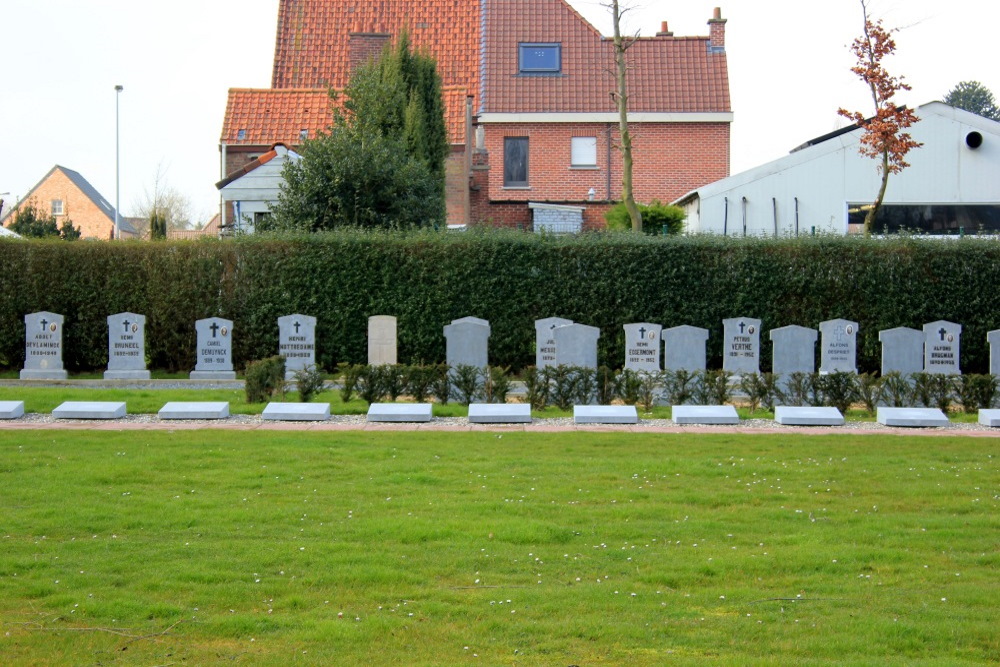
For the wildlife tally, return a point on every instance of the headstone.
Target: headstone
(43, 351)
(215, 350)
(11, 409)
(499, 413)
(382, 340)
(902, 350)
(297, 342)
(314, 412)
(704, 414)
(399, 412)
(684, 348)
(605, 414)
(545, 342)
(576, 345)
(194, 410)
(90, 410)
(838, 346)
(794, 350)
(741, 345)
(912, 417)
(941, 347)
(993, 338)
(467, 342)
(642, 347)
(807, 416)
(126, 347)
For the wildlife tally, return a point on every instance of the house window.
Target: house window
(583, 152)
(303, 134)
(515, 162)
(241, 135)
(534, 58)
(57, 207)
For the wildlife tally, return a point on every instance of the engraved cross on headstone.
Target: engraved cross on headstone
(742, 325)
(44, 323)
(642, 332)
(297, 324)
(942, 332)
(215, 329)
(126, 324)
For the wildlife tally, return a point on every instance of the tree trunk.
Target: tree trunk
(877, 204)
(621, 98)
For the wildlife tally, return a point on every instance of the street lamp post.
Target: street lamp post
(118, 90)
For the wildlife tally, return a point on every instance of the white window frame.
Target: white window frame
(583, 153)
(58, 207)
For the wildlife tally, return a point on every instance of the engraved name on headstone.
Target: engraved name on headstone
(941, 347)
(297, 342)
(126, 347)
(642, 346)
(214, 360)
(741, 345)
(838, 346)
(43, 350)
(545, 342)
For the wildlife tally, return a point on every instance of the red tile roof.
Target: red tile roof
(667, 74)
(269, 116)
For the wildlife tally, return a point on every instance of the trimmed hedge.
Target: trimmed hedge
(427, 279)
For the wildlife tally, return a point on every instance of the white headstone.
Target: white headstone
(467, 342)
(215, 350)
(902, 350)
(382, 340)
(545, 342)
(126, 347)
(43, 347)
(576, 345)
(941, 347)
(838, 346)
(741, 345)
(297, 342)
(642, 346)
(684, 348)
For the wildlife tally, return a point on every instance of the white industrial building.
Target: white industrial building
(952, 185)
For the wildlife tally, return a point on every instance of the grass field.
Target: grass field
(217, 547)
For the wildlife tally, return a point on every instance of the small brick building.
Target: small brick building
(528, 101)
(67, 195)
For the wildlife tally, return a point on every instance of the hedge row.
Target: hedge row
(427, 279)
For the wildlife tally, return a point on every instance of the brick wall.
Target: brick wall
(670, 160)
(91, 220)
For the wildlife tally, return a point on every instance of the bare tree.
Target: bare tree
(620, 95)
(164, 201)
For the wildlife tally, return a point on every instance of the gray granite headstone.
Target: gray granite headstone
(838, 346)
(297, 342)
(545, 342)
(741, 345)
(794, 350)
(902, 350)
(467, 342)
(993, 338)
(576, 345)
(215, 350)
(941, 347)
(126, 347)
(381, 340)
(43, 347)
(684, 348)
(642, 346)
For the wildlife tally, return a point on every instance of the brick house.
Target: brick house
(527, 88)
(67, 195)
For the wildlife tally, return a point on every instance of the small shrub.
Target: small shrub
(798, 388)
(496, 383)
(869, 391)
(265, 378)
(563, 381)
(394, 377)
(896, 390)
(839, 390)
(654, 216)
(309, 381)
(771, 391)
(349, 374)
(942, 391)
(649, 383)
(923, 389)
(586, 385)
(536, 385)
(977, 392)
(420, 380)
(719, 391)
(630, 384)
(465, 380)
(371, 383)
(442, 383)
(607, 382)
(678, 386)
(752, 384)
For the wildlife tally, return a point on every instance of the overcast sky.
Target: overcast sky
(788, 69)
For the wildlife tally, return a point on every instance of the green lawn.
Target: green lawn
(417, 548)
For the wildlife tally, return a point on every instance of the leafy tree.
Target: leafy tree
(621, 46)
(163, 200)
(655, 216)
(884, 137)
(382, 162)
(31, 222)
(974, 97)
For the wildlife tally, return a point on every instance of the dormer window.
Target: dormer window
(303, 134)
(539, 58)
(241, 135)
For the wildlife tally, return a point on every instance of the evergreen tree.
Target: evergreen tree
(974, 97)
(157, 225)
(30, 222)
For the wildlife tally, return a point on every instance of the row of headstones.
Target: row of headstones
(558, 342)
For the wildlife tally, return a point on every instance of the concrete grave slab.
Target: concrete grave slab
(912, 417)
(194, 410)
(807, 416)
(399, 412)
(605, 414)
(11, 409)
(499, 413)
(989, 418)
(90, 410)
(292, 412)
(704, 414)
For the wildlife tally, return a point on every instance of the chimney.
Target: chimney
(365, 46)
(664, 31)
(717, 32)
